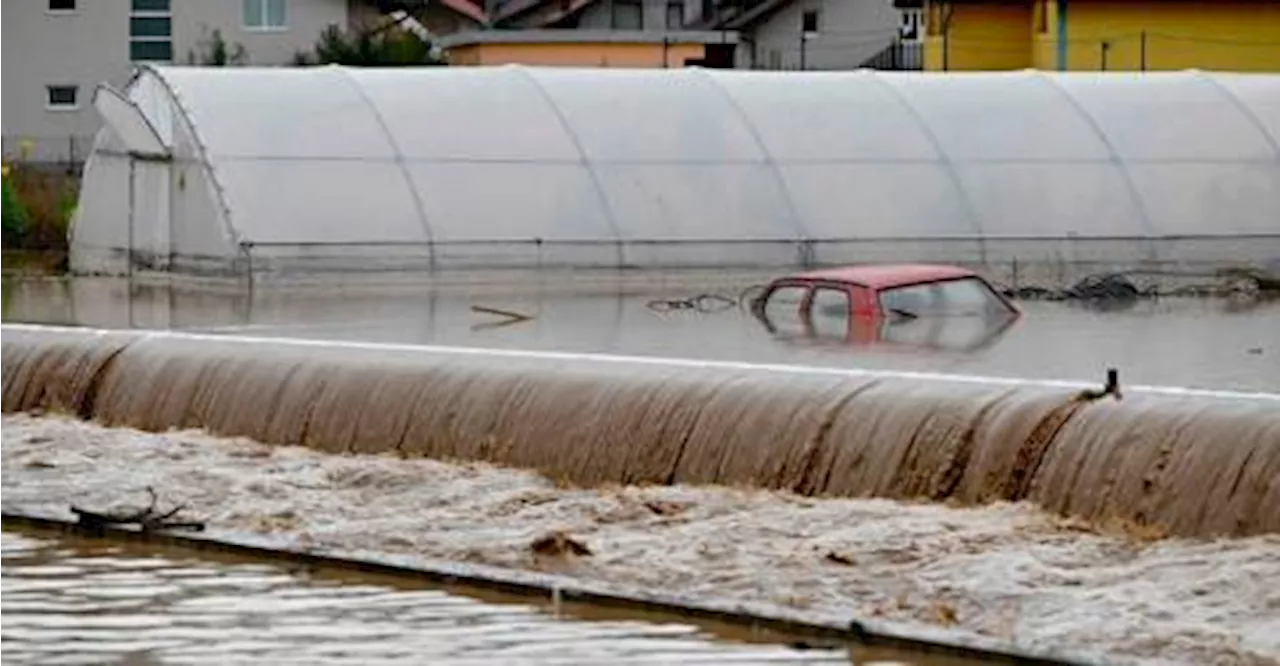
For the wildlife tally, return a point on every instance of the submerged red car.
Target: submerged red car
(914, 304)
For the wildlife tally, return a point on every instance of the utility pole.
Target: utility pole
(1106, 47)
(666, 43)
(1142, 51)
(947, 11)
(808, 29)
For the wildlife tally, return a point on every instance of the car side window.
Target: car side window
(829, 312)
(782, 308)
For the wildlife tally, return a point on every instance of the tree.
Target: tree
(215, 52)
(385, 46)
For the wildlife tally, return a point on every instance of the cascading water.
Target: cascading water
(1191, 463)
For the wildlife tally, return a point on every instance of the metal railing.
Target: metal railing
(898, 56)
(629, 255)
(67, 151)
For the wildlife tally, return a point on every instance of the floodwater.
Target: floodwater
(1196, 342)
(77, 601)
(1004, 572)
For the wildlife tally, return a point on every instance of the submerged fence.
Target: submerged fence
(1013, 261)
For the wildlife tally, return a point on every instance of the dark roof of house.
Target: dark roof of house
(467, 8)
(471, 9)
(513, 8)
(570, 36)
(761, 11)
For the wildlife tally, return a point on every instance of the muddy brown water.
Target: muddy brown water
(69, 600)
(1196, 342)
(1192, 466)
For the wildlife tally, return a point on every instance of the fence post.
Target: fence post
(132, 215)
(246, 247)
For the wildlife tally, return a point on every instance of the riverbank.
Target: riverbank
(1006, 571)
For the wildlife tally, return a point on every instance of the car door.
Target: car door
(830, 309)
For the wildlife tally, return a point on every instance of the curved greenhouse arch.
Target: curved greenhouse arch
(523, 166)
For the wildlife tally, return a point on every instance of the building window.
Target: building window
(265, 15)
(62, 97)
(628, 15)
(809, 22)
(150, 31)
(909, 23)
(61, 6)
(675, 14)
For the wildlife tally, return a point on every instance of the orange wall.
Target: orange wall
(979, 37)
(1238, 35)
(575, 55)
(1233, 35)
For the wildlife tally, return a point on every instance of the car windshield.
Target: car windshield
(968, 296)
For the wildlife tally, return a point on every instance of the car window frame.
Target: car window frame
(1010, 310)
(845, 288)
(802, 311)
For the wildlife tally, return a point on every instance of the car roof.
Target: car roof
(884, 276)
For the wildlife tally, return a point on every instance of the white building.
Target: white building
(57, 51)
(815, 35)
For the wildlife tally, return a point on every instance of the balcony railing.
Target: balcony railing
(898, 56)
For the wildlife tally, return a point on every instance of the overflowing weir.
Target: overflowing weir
(1194, 463)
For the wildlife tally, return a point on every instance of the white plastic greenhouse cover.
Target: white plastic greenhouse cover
(630, 164)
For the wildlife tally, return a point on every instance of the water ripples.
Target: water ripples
(67, 602)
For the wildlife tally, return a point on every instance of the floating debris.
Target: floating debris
(559, 544)
(148, 519)
(509, 317)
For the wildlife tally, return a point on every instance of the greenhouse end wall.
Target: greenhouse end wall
(1044, 175)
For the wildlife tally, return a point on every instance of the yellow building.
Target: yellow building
(1229, 35)
(591, 48)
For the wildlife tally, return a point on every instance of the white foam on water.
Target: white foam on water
(1004, 571)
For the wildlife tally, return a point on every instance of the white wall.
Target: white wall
(39, 48)
(849, 32)
(195, 19)
(91, 45)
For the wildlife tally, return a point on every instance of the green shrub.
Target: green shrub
(387, 46)
(38, 206)
(17, 220)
